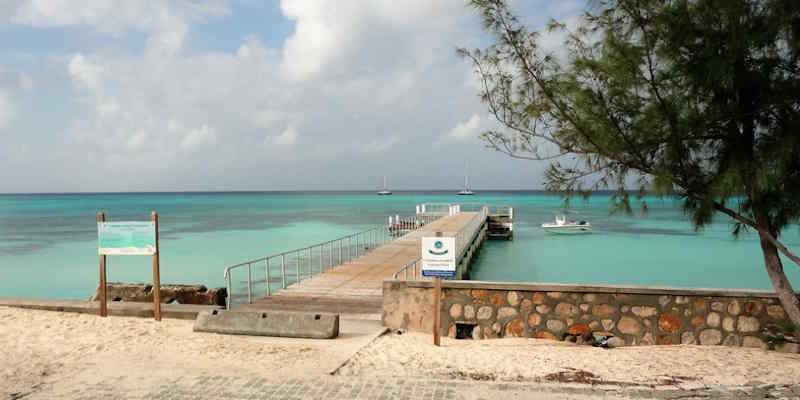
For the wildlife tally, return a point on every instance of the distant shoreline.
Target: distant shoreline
(311, 192)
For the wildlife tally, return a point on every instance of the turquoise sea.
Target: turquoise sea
(48, 242)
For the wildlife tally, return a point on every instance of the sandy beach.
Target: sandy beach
(66, 351)
(412, 355)
(57, 355)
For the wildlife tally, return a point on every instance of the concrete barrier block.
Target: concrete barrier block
(268, 323)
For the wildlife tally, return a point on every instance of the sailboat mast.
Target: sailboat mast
(384, 182)
(466, 175)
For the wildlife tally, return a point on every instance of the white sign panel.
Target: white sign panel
(126, 238)
(439, 257)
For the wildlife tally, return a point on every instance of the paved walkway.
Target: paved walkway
(335, 388)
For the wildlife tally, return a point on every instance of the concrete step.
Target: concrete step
(369, 307)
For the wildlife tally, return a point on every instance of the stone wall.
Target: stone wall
(631, 315)
(184, 294)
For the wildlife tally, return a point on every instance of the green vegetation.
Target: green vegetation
(699, 99)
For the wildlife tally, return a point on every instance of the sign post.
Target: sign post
(438, 261)
(156, 272)
(103, 285)
(437, 305)
(128, 238)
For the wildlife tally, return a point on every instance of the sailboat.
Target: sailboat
(385, 191)
(466, 191)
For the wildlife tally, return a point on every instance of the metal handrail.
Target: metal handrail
(330, 253)
(399, 223)
(462, 241)
(339, 251)
(413, 264)
(434, 208)
(444, 208)
(462, 244)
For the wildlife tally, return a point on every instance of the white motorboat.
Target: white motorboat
(385, 191)
(565, 227)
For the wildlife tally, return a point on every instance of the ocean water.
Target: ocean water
(48, 243)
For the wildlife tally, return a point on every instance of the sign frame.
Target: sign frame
(103, 252)
(126, 238)
(438, 256)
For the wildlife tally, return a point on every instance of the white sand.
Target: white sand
(413, 355)
(53, 354)
(69, 350)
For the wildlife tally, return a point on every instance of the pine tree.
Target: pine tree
(695, 99)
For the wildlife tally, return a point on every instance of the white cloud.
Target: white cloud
(203, 136)
(465, 130)
(265, 118)
(286, 138)
(8, 110)
(85, 72)
(111, 16)
(340, 37)
(355, 79)
(25, 81)
(314, 40)
(378, 146)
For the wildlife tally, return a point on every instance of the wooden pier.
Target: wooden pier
(355, 288)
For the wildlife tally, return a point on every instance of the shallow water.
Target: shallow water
(48, 243)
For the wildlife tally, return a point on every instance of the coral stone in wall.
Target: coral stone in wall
(639, 317)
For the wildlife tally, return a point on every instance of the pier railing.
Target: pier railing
(464, 239)
(455, 208)
(435, 208)
(284, 269)
(402, 224)
(293, 266)
(466, 235)
(413, 267)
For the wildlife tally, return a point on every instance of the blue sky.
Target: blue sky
(247, 95)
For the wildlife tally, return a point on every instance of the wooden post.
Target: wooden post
(103, 285)
(437, 304)
(156, 274)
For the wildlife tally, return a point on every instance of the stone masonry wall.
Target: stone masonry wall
(632, 315)
(143, 293)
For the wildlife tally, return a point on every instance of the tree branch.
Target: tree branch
(769, 236)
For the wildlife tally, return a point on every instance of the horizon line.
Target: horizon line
(453, 191)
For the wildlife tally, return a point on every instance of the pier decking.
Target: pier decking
(355, 288)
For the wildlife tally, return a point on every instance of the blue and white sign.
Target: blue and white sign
(126, 238)
(439, 257)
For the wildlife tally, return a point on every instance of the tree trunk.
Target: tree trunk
(782, 286)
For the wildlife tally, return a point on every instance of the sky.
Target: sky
(147, 95)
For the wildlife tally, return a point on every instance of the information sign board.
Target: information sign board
(126, 238)
(439, 257)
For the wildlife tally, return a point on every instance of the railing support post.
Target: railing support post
(268, 277)
(283, 270)
(249, 284)
(228, 297)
